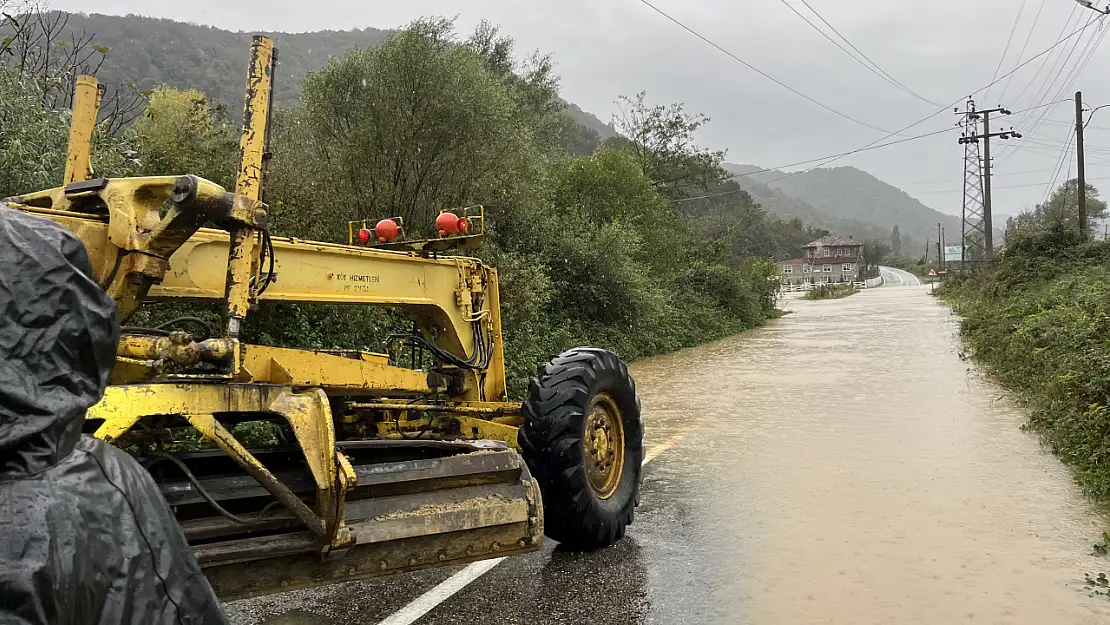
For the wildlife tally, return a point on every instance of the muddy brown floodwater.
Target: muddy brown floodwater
(862, 472)
(841, 465)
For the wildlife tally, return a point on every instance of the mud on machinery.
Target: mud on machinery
(385, 467)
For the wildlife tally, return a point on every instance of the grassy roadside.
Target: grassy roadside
(830, 291)
(1039, 323)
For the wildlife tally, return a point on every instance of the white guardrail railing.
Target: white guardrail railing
(870, 283)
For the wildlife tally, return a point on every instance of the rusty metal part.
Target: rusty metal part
(178, 348)
(451, 427)
(309, 415)
(489, 409)
(603, 441)
(402, 515)
(213, 430)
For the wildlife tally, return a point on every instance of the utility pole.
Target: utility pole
(943, 249)
(940, 249)
(971, 115)
(1082, 181)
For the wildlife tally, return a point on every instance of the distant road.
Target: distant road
(898, 277)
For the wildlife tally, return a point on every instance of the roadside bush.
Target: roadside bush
(1040, 324)
(830, 291)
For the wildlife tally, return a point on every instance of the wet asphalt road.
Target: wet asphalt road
(842, 465)
(898, 277)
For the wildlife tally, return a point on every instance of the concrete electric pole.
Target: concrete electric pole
(1081, 183)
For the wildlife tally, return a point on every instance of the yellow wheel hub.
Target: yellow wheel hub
(604, 445)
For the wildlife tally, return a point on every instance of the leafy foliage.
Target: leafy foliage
(32, 138)
(1039, 324)
(661, 137)
(417, 123)
(1060, 211)
(181, 133)
(830, 291)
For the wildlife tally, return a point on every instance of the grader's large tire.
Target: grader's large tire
(582, 439)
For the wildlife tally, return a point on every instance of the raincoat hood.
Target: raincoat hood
(58, 335)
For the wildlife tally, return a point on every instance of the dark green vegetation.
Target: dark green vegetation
(830, 291)
(593, 241)
(145, 52)
(1039, 322)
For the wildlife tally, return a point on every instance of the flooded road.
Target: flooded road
(842, 465)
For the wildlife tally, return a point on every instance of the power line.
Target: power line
(1077, 70)
(812, 160)
(1028, 38)
(1040, 106)
(1006, 48)
(875, 144)
(1059, 166)
(1072, 74)
(873, 67)
(948, 180)
(1009, 186)
(1064, 29)
(757, 70)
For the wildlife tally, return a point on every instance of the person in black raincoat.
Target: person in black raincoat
(85, 535)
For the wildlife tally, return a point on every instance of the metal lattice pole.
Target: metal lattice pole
(974, 234)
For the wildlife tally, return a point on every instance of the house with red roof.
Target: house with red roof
(830, 259)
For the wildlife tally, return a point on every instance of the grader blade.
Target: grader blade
(417, 504)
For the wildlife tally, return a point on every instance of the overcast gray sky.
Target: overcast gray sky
(942, 50)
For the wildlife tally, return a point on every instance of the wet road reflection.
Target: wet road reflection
(841, 465)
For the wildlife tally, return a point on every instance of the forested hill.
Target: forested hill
(845, 200)
(150, 52)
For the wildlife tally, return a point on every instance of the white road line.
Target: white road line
(449, 587)
(425, 602)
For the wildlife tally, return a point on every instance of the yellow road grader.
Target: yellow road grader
(384, 466)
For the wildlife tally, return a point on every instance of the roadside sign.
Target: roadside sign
(932, 273)
(953, 252)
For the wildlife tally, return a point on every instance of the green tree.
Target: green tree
(1060, 210)
(417, 123)
(874, 252)
(181, 133)
(32, 138)
(895, 242)
(662, 138)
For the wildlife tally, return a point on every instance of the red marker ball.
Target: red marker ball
(386, 230)
(447, 223)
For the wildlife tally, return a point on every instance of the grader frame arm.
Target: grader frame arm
(358, 485)
(378, 467)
